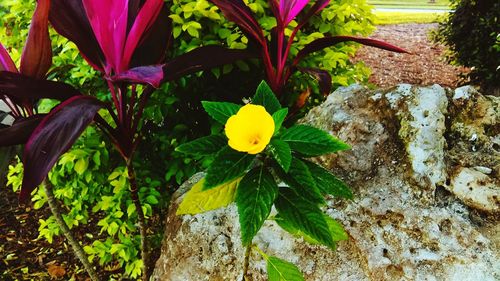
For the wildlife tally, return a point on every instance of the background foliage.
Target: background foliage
(473, 35)
(89, 181)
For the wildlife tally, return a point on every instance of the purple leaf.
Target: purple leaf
(239, 13)
(24, 87)
(69, 19)
(202, 58)
(20, 131)
(153, 47)
(324, 78)
(6, 62)
(152, 75)
(145, 19)
(325, 42)
(289, 9)
(318, 6)
(55, 135)
(37, 54)
(108, 20)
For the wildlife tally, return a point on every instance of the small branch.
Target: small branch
(77, 248)
(141, 220)
(246, 264)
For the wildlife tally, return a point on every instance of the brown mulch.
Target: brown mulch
(425, 65)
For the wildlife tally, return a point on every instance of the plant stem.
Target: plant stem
(77, 248)
(134, 190)
(246, 263)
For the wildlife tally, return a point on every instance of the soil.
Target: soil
(24, 257)
(425, 65)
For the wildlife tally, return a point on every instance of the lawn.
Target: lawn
(410, 4)
(383, 17)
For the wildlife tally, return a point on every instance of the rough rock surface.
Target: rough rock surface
(424, 167)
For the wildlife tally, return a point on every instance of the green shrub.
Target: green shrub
(472, 34)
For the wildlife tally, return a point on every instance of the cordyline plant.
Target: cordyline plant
(275, 53)
(258, 163)
(127, 41)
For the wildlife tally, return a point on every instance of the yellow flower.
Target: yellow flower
(250, 130)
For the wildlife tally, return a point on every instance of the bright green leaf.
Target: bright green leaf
(281, 270)
(255, 197)
(81, 166)
(303, 215)
(227, 166)
(311, 141)
(198, 200)
(220, 111)
(327, 182)
(300, 179)
(265, 97)
(203, 146)
(278, 117)
(281, 152)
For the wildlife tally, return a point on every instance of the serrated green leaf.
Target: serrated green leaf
(304, 216)
(278, 117)
(255, 197)
(337, 231)
(228, 165)
(311, 141)
(281, 270)
(327, 182)
(220, 111)
(198, 200)
(281, 152)
(203, 146)
(299, 178)
(264, 96)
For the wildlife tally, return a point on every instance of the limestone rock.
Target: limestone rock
(414, 217)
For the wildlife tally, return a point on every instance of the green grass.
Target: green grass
(404, 17)
(414, 4)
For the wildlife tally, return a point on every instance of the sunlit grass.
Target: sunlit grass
(406, 17)
(414, 4)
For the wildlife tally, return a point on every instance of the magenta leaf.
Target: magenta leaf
(152, 75)
(289, 9)
(55, 134)
(318, 6)
(202, 58)
(6, 62)
(69, 19)
(108, 20)
(324, 78)
(237, 12)
(325, 42)
(20, 131)
(24, 87)
(37, 53)
(153, 46)
(145, 19)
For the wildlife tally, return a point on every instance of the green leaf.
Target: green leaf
(281, 270)
(311, 141)
(264, 96)
(337, 231)
(203, 146)
(299, 178)
(81, 166)
(281, 152)
(278, 117)
(303, 215)
(255, 197)
(227, 166)
(6, 156)
(220, 111)
(327, 182)
(198, 200)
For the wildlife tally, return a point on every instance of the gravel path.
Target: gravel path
(425, 65)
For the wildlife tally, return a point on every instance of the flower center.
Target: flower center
(254, 139)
